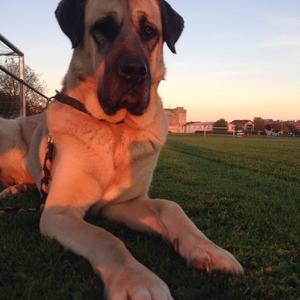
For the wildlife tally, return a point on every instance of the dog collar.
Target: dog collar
(65, 99)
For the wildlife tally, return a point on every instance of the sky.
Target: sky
(236, 59)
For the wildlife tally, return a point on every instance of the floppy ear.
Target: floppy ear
(70, 17)
(173, 24)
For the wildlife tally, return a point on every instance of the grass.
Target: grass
(244, 193)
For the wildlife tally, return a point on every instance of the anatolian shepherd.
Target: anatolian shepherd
(106, 151)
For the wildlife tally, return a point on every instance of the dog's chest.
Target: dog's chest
(119, 158)
(134, 161)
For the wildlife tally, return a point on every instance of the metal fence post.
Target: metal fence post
(22, 90)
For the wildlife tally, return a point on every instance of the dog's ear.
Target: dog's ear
(70, 17)
(173, 24)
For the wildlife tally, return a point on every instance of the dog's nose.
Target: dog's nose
(133, 69)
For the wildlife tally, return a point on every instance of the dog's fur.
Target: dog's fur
(104, 160)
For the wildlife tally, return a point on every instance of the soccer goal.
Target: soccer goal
(16, 95)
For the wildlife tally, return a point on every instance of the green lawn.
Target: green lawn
(244, 193)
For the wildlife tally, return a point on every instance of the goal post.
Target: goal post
(22, 90)
(19, 95)
(12, 50)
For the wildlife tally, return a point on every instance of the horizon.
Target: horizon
(235, 60)
(235, 119)
(268, 119)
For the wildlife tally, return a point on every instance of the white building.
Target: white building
(205, 127)
(193, 127)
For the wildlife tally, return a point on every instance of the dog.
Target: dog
(106, 152)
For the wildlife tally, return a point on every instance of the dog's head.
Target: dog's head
(118, 46)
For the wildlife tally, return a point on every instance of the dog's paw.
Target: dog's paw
(13, 191)
(136, 283)
(214, 259)
(205, 255)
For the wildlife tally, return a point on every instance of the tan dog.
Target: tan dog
(104, 160)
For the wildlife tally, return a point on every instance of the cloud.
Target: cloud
(283, 42)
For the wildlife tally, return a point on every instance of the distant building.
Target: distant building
(231, 128)
(192, 127)
(206, 127)
(176, 119)
(246, 126)
(177, 124)
(272, 133)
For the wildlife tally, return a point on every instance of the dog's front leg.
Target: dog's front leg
(167, 219)
(123, 276)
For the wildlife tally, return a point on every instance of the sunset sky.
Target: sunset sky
(236, 58)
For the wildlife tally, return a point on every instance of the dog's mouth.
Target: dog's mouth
(126, 85)
(135, 100)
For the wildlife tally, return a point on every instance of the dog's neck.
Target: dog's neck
(85, 92)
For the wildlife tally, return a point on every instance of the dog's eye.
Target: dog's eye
(148, 32)
(106, 27)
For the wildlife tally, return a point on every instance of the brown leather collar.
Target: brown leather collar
(65, 99)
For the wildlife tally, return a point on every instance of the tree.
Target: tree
(259, 124)
(9, 89)
(291, 127)
(269, 126)
(221, 123)
(221, 126)
(276, 126)
(285, 127)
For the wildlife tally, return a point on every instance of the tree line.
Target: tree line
(261, 126)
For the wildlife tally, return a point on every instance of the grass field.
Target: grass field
(244, 193)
